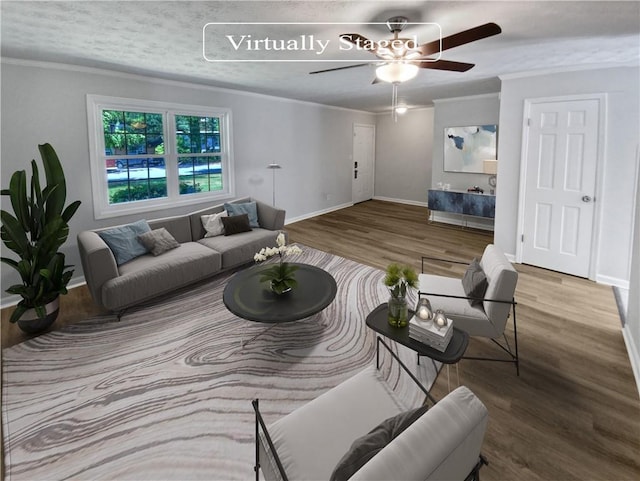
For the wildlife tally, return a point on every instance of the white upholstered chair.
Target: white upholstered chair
(442, 444)
(487, 316)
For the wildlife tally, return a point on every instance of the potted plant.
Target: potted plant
(35, 231)
(281, 276)
(399, 279)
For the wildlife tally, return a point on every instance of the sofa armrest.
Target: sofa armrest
(444, 443)
(270, 217)
(98, 263)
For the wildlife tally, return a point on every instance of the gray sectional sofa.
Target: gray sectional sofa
(117, 287)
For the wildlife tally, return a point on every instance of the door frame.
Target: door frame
(600, 169)
(373, 166)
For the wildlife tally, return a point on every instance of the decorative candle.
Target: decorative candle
(423, 309)
(439, 319)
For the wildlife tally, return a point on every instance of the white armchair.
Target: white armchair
(443, 443)
(482, 315)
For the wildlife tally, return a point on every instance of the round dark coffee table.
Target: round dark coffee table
(248, 298)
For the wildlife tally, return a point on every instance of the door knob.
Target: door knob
(586, 198)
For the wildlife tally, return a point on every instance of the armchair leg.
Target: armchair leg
(513, 354)
(256, 466)
(474, 475)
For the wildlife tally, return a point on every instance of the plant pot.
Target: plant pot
(32, 324)
(398, 312)
(273, 285)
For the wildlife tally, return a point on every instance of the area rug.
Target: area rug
(165, 394)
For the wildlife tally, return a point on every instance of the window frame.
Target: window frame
(100, 190)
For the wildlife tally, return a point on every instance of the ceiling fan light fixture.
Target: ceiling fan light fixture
(401, 109)
(397, 72)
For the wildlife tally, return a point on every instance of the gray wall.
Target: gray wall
(622, 127)
(403, 156)
(47, 103)
(632, 327)
(459, 112)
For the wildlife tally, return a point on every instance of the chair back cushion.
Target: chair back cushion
(502, 279)
(444, 443)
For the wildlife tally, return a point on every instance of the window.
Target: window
(151, 155)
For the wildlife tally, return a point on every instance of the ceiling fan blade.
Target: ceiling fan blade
(360, 41)
(447, 65)
(339, 68)
(460, 38)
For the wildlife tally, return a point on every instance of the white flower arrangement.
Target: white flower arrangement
(281, 276)
(282, 250)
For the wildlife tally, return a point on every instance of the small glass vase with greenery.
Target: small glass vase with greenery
(399, 279)
(281, 276)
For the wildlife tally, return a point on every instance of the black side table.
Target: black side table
(378, 321)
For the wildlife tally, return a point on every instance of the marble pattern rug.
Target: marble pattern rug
(165, 394)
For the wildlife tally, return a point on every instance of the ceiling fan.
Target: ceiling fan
(401, 58)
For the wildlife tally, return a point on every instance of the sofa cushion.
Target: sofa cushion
(212, 223)
(236, 224)
(367, 446)
(474, 282)
(249, 208)
(123, 240)
(240, 248)
(146, 276)
(178, 226)
(158, 241)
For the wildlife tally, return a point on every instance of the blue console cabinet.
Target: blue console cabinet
(464, 203)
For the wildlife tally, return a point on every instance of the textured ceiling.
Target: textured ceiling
(165, 39)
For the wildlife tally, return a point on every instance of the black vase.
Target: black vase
(32, 324)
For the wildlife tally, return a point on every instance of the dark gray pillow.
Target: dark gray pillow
(158, 241)
(236, 224)
(366, 447)
(474, 282)
(249, 208)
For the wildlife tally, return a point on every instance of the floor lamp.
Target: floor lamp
(274, 167)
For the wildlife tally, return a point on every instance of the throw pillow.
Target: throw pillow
(474, 282)
(366, 447)
(249, 208)
(123, 241)
(213, 224)
(158, 241)
(236, 224)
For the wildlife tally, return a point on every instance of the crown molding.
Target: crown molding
(470, 97)
(162, 81)
(558, 70)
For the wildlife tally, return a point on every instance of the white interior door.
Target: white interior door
(364, 142)
(561, 160)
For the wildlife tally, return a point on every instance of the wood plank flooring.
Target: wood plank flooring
(574, 412)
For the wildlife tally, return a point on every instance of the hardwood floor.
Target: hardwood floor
(574, 411)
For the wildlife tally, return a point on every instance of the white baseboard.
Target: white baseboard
(14, 299)
(511, 258)
(612, 281)
(317, 213)
(634, 357)
(401, 201)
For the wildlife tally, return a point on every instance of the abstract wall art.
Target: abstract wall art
(465, 148)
